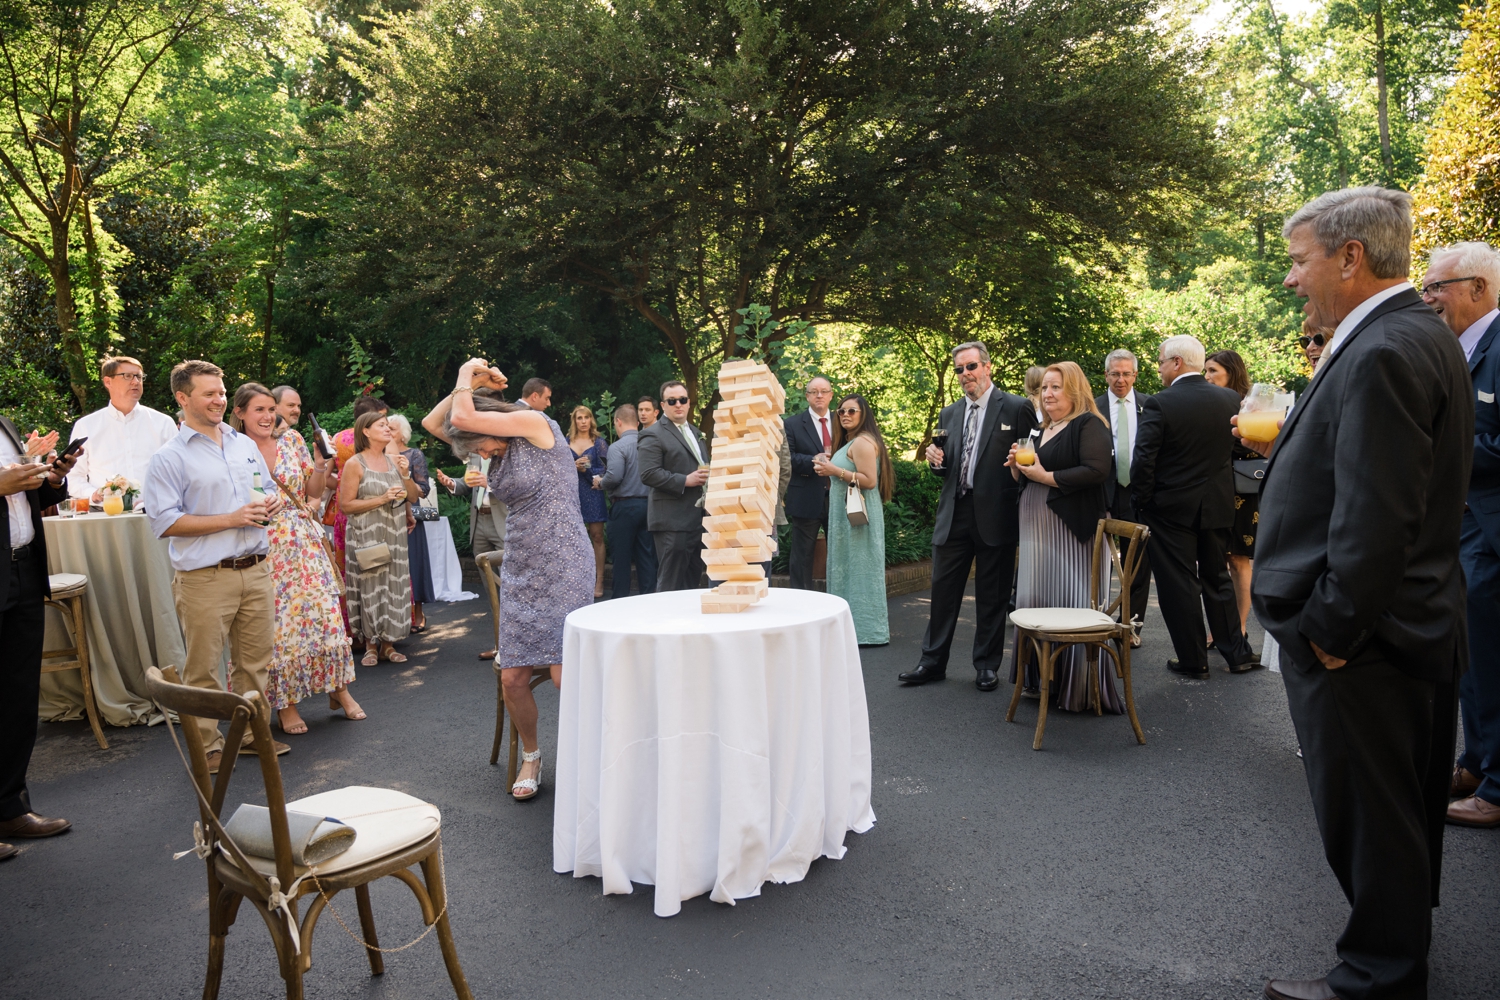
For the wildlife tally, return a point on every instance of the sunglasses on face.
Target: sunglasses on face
(960, 369)
(849, 411)
(676, 401)
(1316, 338)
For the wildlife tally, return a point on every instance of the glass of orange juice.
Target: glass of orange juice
(80, 505)
(1026, 454)
(114, 504)
(1261, 412)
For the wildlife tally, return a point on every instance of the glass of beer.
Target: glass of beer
(1262, 411)
(1026, 454)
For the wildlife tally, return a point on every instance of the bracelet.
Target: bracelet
(462, 388)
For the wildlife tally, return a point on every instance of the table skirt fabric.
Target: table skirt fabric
(442, 556)
(709, 753)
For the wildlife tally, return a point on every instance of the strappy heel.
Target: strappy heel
(530, 786)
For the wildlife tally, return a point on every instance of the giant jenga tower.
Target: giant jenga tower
(741, 495)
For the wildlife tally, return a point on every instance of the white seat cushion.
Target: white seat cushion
(63, 583)
(1061, 620)
(384, 820)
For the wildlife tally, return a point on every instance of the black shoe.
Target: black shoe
(1299, 989)
(1244, 666)
(1200, 674)
(986, 680)
(922, 674)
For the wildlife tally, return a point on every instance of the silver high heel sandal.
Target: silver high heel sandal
(528, 786)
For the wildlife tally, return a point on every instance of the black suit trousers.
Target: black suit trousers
(1479, 691)
(1192, 577)
(804, 539)
(1377, 745)
(994, 572)
(21, 627)
(679, 560)
(1123, 509)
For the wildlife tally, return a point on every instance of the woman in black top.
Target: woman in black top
(1227, 369)
(1062, 500)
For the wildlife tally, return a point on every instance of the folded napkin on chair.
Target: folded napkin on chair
(315, 839)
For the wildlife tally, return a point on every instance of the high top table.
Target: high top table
(709, 753)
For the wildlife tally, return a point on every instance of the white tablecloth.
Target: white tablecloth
(442, 556)
(709, 753)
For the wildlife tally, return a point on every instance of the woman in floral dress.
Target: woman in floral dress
(310, 654)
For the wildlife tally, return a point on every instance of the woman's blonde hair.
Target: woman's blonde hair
(573, 422)
(1075, 386)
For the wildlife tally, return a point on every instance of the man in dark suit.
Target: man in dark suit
(27, 489)
(1461, 286)
(1123, 407)
(1182, 483)
(1357, 575)
(669, 453)
(977, 519)
(808, 434)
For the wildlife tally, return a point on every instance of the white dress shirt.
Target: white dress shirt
(820, 424)
(1469, 339)
(692, 440)
(1132, 421)
(192, 475)
(18, 505)
(120, 444)
(1357, 316)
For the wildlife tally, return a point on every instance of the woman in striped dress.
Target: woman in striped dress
(1062, 500)
(373, 494)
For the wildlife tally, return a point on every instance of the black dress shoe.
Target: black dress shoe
(921, 675)
(32, 825)
(1299, 989)
(8, 851)
(1176, 667)
(1244, 666)
(986, 680)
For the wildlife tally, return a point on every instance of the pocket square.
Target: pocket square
(1006, 427)
(1486, 397)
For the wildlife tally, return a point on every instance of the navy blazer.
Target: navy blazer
(807, 496)
(1484, 480)
(44, 495)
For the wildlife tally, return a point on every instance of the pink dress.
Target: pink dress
(311, 650)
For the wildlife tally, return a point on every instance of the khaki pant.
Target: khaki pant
(238, 605)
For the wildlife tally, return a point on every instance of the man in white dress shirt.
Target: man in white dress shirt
(1122, 407)
(123, 436)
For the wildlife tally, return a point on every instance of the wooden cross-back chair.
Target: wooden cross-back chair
(487, 561)
(394, 831)
(1104, 625)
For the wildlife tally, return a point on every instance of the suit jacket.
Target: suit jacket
(1358, 545)
(43, 496)
(807, 495)
(1106, 404)
(1181, 471)
(1484, 481)
(665, 463)
(1007, 419)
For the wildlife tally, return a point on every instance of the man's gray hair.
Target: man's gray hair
(1378, 218)
(1188, 348)
(1120, 354)
(1474, 259)
(973, 345)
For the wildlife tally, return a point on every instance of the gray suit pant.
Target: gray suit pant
(679, 560)
(486, 537)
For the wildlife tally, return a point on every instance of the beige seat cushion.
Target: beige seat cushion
(385, 821)
(63, 584)
(1061, 620)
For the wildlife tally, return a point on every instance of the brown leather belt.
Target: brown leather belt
(243, 562)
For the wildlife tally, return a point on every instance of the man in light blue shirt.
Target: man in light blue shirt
(199, 494)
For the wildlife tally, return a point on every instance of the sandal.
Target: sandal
(394, 657)
(297, 729)
(369, 659)
(529, 786)
(334, 706)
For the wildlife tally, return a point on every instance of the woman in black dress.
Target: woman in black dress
(1227, 369)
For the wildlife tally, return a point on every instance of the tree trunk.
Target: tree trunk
(96, 277)
(67, 316)
(1384, 98)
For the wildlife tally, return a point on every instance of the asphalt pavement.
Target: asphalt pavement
(1189, 867)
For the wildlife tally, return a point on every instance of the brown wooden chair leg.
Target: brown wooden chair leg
(81, 641)
(1095, 698)
(1044, 668)
(432, 874)
(367, 928)
(1122, 661)
(1023, 645)
(499, 718)
(219, 918)
(515, 759)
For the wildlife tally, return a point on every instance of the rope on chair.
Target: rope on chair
(328, 901)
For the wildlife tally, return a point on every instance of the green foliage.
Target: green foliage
(456, 510)
(911, 513)
(362, 370)
(604, 414)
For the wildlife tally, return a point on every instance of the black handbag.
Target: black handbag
(424, 513)
(1249, 473)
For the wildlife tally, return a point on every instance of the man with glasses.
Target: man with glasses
(123, 436)
(808, 434)
(1463, 287)
(1122, 407)
(673, 459)
(978, 519)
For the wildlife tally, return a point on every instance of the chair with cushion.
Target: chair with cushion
(68, 592)
(393, 832)
(1104, 625)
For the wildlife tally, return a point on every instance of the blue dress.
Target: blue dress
(590, 500)
(548, 570)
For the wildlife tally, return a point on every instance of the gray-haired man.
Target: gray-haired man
(1122, 407)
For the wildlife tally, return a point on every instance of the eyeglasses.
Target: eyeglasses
(676, 401)
(960, 369)
(849, 411)
(1430, 289)
(820, 392)
(1316, 338)
(1119, 374)
(129, 376)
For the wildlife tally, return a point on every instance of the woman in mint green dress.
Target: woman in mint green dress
(856, 553)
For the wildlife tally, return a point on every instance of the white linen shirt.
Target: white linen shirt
(18, 505)
(120, 444)
(1357, 316)
(192, 475)
(1132, 420)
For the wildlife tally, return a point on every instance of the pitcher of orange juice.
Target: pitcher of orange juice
(1262, 410)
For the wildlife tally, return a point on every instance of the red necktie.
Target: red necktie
(827, 441)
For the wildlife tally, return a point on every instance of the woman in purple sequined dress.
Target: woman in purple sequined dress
(548, 569)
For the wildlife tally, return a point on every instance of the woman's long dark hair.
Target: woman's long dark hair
(464, 442)
(1234, 367)
(867, 425)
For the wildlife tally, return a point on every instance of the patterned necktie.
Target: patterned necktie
(971, 434)
(1122, 443)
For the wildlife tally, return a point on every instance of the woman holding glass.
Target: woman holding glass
(422, 591)
(856, 553)
(590, 453)
(373, 493)
(1227, 370)
(1062, 500)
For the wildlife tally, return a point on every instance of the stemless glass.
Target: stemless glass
(1026, 454)
(1261, 412)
